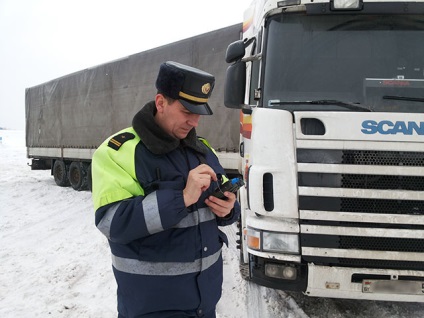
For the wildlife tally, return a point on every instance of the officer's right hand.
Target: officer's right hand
(199, 180)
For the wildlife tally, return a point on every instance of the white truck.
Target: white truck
(331, 138)
(331, 94)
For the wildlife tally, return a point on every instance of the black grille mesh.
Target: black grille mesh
(378, 182)
(360, 205)
(381, 244)
(382, 182)
(383, 158)
(382, 206)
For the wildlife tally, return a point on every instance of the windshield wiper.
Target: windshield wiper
(351, 106)
(406, 98)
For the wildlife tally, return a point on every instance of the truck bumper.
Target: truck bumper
(340, 282)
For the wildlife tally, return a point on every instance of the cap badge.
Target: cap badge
(206, 88)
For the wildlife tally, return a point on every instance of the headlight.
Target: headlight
(272, 241)
(280, 242)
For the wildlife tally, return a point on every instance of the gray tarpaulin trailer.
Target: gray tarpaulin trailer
(69, 117)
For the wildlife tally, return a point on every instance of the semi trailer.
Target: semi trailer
(69, 117)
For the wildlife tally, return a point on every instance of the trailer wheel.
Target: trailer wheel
(77, 175)
(86, 168)
(89, 179)
(60, 174)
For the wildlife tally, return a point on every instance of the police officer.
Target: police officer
(152, 186)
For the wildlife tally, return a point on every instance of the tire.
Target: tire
(77, 175)
(60, 173)
(89, 179)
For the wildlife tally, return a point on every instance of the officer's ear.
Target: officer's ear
(160, 102)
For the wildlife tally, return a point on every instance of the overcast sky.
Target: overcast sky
(41, 40)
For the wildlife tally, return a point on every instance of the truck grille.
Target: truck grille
(383, 158)
(382, 206)
(366, 210)
(382, 182)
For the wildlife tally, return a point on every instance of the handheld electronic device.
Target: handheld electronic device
(231, 185)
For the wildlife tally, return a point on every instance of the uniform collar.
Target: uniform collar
(156, 139)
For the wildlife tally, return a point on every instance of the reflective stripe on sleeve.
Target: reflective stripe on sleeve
(133, 266)
(106, 221)
(152, 217)
(195, 218)
(151, 214)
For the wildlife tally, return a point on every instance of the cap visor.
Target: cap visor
(200, 109)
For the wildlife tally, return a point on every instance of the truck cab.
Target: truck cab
(331, 99)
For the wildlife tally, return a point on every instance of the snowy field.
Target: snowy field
(55, 263)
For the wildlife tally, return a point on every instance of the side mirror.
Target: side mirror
(235, 51)
(235, 82)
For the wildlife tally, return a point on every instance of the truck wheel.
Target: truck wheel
(86, 181)
(60, 174)
(77, 176)
(89, 180)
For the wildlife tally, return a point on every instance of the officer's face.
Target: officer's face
(174, 118)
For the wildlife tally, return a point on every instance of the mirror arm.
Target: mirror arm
(252, 58)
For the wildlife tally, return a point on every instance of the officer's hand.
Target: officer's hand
(220, 207)
(199, 180)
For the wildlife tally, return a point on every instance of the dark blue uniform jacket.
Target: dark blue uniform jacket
(166, 257)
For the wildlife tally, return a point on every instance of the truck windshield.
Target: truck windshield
(375, 62)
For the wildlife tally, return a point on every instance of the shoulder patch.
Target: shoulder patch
(117, 141)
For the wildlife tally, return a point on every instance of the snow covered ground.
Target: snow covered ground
(55, 263)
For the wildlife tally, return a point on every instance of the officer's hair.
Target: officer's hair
(168, 99)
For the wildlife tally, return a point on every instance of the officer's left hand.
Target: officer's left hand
(221, 208)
